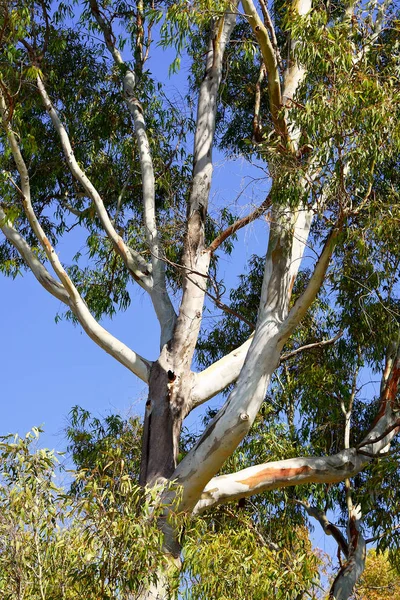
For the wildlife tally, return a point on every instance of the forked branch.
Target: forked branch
(67, 292)
(159, 294)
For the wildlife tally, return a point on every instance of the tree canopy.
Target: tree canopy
(307, 94)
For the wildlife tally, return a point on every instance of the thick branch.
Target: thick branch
(288, 233)
(219, 375)
(160, 298)
(323, 469)
(280, 474)
(271, 64)
(292, 230)
(196, 258)
(134, 262)
(352, 569)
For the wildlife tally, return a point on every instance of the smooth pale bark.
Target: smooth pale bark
(161, 589)
(134, 362)
(219, 375)
(288, 235)
(136, 265)
(278, 474)
(159, 295)
(53, 286)
(225, 371)
(321, 469)
(171, 379)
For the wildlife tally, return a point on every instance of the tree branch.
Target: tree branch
(135, 264)
(323, 469)
(303, 303)
(288, 355)
(353, 568)
(239, 224)
(134, 362)
(271, 64)
(328, 527)
(38, 269)
(215, 378)
(161, 300)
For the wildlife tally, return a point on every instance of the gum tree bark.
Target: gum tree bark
(174, 388)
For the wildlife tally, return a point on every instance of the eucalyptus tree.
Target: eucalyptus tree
(90, 139)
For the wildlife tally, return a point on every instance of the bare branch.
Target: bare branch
(280, 474)
(271, 30)
(323, 469)
(134, 362)
(136, 265)
(38, 269)
(303, 303)
(288, 355)
(271, 64)
(239, 224)
(159, 295)
(219, 375)
(328, 527)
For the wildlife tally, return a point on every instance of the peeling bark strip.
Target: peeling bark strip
(323, 469)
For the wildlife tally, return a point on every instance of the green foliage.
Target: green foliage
(379, 580)
(101, 539)
(229, 558)
(104, 543)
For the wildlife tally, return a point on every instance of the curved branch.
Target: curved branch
(159, 295)
(134, 362)
(38, 269)
(288, 355)
(271, 64)
(135, 264)
(321, 469)
(328, 527)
